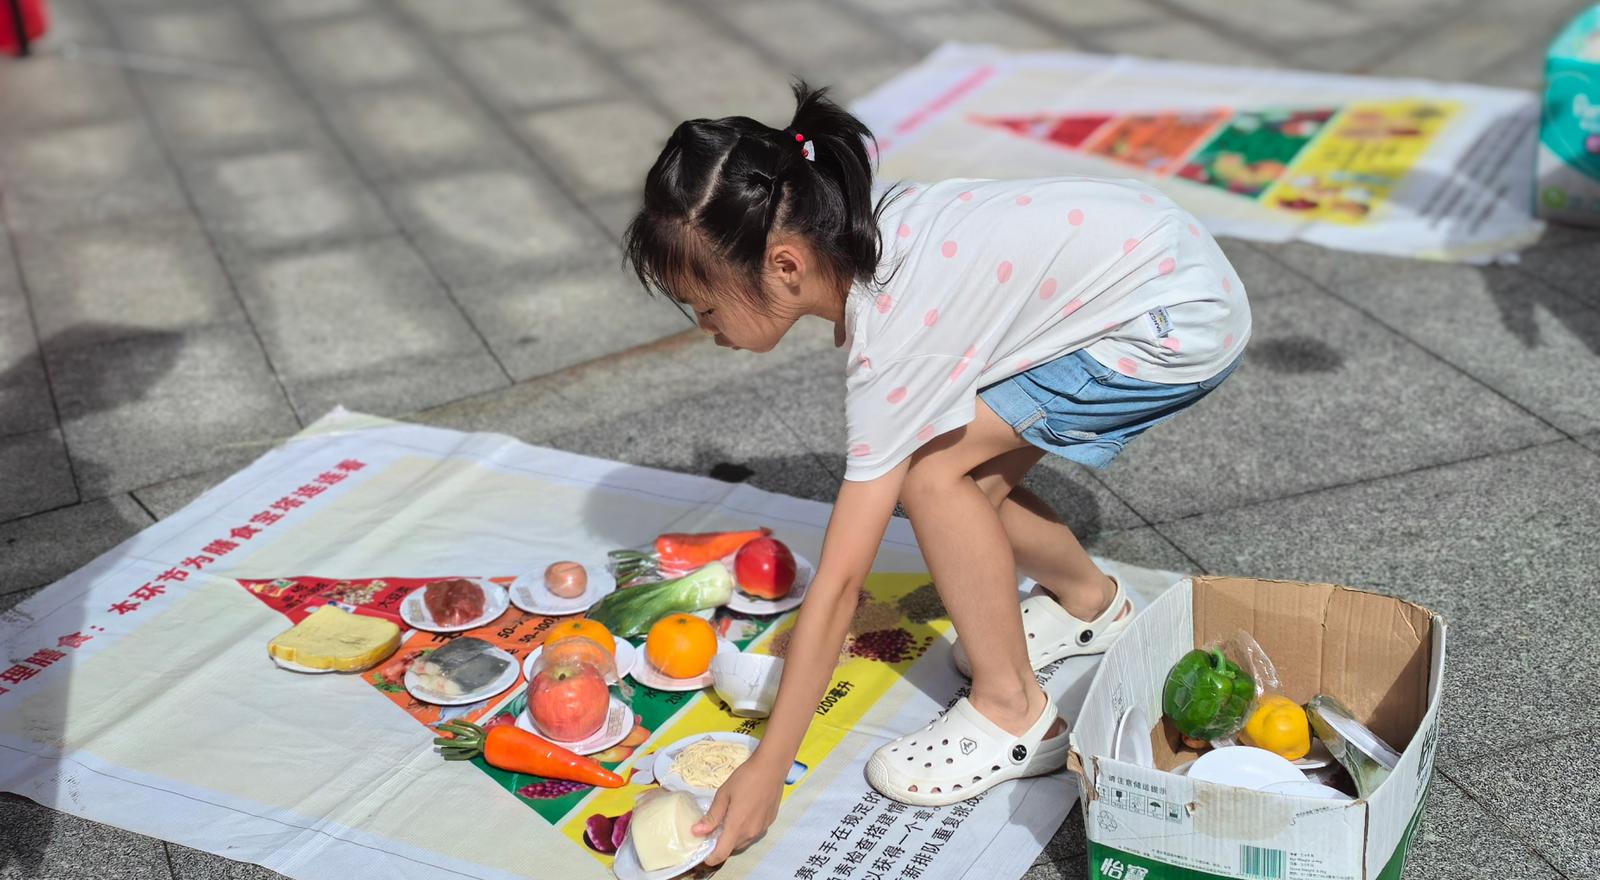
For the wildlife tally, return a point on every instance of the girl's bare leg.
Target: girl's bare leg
(969, 555)
(1043, 547)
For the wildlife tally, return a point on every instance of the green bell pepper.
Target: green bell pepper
(1207, 695)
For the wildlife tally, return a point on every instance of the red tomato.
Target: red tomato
(764, 568)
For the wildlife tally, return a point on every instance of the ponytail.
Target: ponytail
(722, 187)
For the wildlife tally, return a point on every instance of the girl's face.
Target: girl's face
(739, 325)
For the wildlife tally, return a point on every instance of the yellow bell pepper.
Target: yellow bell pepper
(1280, 726)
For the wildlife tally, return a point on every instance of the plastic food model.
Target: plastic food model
(567, 580)
(663, 829)
(333, 639)
(460, 667)
(765, 568)
(453, 602)
(1207, 695)
(681, 646)
(568, 699)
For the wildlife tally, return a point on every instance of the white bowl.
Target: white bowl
(748, 683)
(1245, 767)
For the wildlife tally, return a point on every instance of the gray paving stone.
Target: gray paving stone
(42, 549)
(1573, 270)
(73, 23)
(426, 128)
(468, 16)
(1460, 839)
(96, 284)
(24, 390)
(366, 326)
(1073, 868)
(42, 844)
(810, 39)
(214, 39)
(1142, 546)
(614, 212)
(478, 226)
(202, 117)
(170, 496)
(287, 11)
(1325, 396)
(712, 77)
(851, 82)
(601, 149)
(1277, 19)
(54, 91)
(990, 26)
(9, 601)
(193, 864)
(1543, 792)
(1094, 13)
(622, 26)
(161, 403)
(1182, 40)
(1508, 40)
(530, 68)
(36, 474)
(1592, 441)
(1069, 841)
(353, 52)
(85, 174)
(1511, 332)
(284, 199)
(1494, 544)
(538, 325)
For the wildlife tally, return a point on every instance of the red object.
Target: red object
(569, 703)
(453, 602)
(799, 138)
(509, 747)
(35, 20)
(765, 568)
(684, 552)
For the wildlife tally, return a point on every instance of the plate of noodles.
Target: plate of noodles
(700, 764)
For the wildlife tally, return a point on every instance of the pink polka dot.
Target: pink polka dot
(1194, 230)
(1024, 364)
(911, 191)
(1171, 343)
(949, 249)
(1111, 326)
(1075, 217)
(898, 395)
(966, 358)
(966, 196)
(1127, 367)
(885, 302)
(1227, 285)
(860, 450)
(865, 362)
(1071, 307)
(1227, 341)
(905, 231)
(1004, 271)
(1146, 198)
(1167, 266)
(931, 318)
(1130, 245)
(1024, 200)
(925, 434)
(1047, 289)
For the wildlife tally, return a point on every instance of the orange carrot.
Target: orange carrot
(681, 551)
(511, 748)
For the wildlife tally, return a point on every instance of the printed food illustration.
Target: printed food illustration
(681, 646)
(453, 602)
(765, 568)
(567, 580)
(334, 639)
(460, 667)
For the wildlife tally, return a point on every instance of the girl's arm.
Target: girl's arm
(748, 802)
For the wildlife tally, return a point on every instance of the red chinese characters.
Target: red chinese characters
(173, 574)
(350, 464)
(244, 533)
(198, 562)
(123, 607)
(266, 517)
(74, 640)
(147, 592)
(219, 547)
(286, 503)
(328, 478)
(18, 673)
(44, 657)
(310, 490)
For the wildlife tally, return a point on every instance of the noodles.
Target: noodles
(707, 763)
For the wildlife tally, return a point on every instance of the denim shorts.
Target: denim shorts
(1080, 409)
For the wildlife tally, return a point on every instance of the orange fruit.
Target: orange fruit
(582, 628)
(681, 645)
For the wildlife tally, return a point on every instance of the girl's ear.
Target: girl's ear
(786, 263)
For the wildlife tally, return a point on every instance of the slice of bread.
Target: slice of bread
(332, 638)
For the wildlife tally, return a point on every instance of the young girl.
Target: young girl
(987, 323)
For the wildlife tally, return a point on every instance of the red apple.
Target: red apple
(765, 568)
(568, 703)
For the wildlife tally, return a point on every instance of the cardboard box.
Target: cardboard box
(1569, 126)
(1381, 657)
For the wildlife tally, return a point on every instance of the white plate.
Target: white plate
(627, 865)
(507, 678)
(667, 778)
(1132, 744)
(1245, 767)
(646, 674)
(627, 657)
(295, 667)
(1308, 789)
(414, 611)
(1316, 759)
(744, 603)
(529, 594)
(619, 723)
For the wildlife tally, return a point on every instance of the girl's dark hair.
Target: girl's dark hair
(721, 186)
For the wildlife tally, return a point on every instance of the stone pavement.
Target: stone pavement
(222, 218)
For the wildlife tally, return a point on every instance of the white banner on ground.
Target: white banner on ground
(137, 691)
(1403, 167)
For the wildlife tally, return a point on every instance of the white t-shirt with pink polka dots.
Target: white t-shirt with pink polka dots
(992, 277)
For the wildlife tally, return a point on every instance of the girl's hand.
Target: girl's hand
(745, 806)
